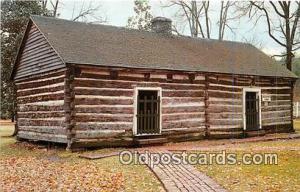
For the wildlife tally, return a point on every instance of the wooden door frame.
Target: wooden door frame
(136, 92)
(258, 91)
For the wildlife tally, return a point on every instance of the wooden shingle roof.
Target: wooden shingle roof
(103, 45)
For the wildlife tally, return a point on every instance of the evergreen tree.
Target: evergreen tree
(14, 17)
(142, 18)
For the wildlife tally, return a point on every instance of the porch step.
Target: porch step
(150, 141)
(255, 133)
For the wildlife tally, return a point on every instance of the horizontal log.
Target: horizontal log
(224, 126)
(52, 97)
(38, 114)
(235, 102)
(80, 82)
(182, 109)
(98, 101)
(101, 125)
(222, 82)
(134, 78)
(103, 118)
(92, 134)
(39, 91)
(43, 129)
(275, 114)
(248, 84)
(275, 108)
(278, 103)
(168, 101)
(42, 136)
(186, 93)
(104, 109)
(183, 124)
(223, 88)
(232, 115)
(107, 92)
(176, 131)
(274, 98)
(222, 109)
(169, 117)
(38, 122)
(229, 122)
(36, 108)
(40, 83)
(278, 120)
(275, 91)
(101, 83)
(224, 95)
(228, 129)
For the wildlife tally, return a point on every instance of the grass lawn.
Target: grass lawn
(281, 177)
(27, 167)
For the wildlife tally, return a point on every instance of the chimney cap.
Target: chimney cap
(161, 25)
(163, 19)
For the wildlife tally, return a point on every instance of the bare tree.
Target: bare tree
(191, 11)
(196, 14)
(86, 10)
(284, 29)
(225, 19)
(52, 7)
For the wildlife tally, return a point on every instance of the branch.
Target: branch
(294, 28)
(196, 16)
(85, 12)
(206, 6)
(283, 55)
(276, 10)
(269, 24)
(295, 49)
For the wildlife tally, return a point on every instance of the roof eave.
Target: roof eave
(294, 77)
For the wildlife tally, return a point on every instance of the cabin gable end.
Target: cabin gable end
(35, 55)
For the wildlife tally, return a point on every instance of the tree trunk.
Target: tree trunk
(289, 57)
(289, 54)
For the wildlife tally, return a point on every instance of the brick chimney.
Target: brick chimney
(161, 25)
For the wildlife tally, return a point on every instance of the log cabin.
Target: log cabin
(88, 85)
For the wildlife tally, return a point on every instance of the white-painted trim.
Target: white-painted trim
(258, 91)
(159, 94)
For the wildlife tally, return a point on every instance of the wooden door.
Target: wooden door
(148, 112)
(252, 111)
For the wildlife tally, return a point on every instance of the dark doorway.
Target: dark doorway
(148, 112)
(252, 111)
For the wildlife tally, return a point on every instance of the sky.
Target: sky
(117, 12)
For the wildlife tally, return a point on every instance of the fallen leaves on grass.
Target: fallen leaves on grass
(34, 174)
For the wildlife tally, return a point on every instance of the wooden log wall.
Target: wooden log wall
(226, 104)
(277, 115)
(225, 108)
(104, 104)
(40, 104)
(95, 105)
